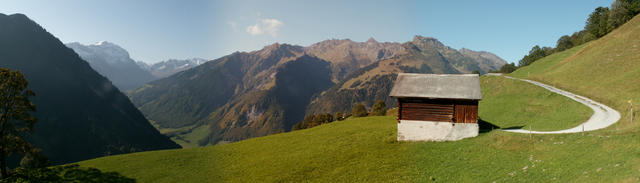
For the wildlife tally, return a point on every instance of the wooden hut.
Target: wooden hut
(437, 107)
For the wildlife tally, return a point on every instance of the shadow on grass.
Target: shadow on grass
(486, 126)
(66, 173)
(514, 127)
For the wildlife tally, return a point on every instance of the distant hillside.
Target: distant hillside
(242, 95)
(81, 115)
(606, 69)
(113, 62)
(348, 56)
(487, 60)
(169, 67)
(243, 100)
(263, 112)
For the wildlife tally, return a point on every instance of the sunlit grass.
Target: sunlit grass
(511, 103)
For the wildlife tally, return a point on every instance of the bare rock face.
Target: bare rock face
(427, 43)
(346, 55)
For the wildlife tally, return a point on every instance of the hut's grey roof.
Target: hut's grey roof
(445, 86)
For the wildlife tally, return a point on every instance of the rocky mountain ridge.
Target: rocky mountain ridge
(242, 95)
(169, 67)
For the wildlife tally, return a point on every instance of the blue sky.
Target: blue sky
(158, 30)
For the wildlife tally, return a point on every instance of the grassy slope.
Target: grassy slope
(525, 101)
(359, 149)
(606, 70)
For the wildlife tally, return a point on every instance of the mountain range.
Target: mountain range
(81, 114)
(251, 94)
(113, 62)
(373, 82)
(169, 67)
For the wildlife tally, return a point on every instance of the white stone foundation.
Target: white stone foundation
(412, 130)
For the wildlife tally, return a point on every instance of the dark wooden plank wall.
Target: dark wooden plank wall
(458, 111)
(466, 112)
(427, 112)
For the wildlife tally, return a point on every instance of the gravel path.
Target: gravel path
(603, 116)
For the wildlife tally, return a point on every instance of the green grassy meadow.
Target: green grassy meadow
(364, 150)
(360, 150)
(530, 106)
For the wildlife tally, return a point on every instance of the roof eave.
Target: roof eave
(432, 98)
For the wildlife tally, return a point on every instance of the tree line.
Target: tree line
(601, 21)
(359, 110)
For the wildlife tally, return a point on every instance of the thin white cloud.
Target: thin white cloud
(267, 25)
(272, 26)
(234, 26)
(254, 30)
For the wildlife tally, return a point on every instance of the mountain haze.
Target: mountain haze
(113, 62)
(81, 115)
(169, 67)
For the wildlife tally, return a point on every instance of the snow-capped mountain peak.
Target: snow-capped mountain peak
(112, 53)
(113, 62)
(172, 66)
